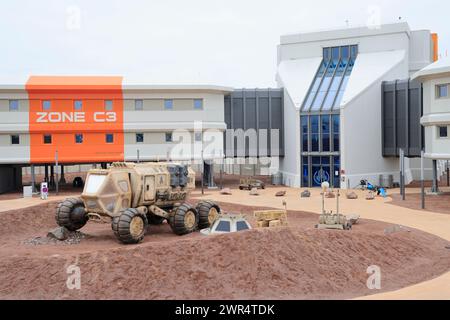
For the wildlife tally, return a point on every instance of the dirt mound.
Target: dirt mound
(298, 262)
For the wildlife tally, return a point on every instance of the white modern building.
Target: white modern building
(332, 82)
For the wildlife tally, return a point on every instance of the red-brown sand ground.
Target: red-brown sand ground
(295, 262)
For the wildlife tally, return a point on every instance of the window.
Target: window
(304, 130)
(241, 225)
(305, 172)
(325, 133)
(15, 139)
(315, 135)
(78, 105)
(442, 91)
(331, 79)
(169, 137)
(168, 104)
(223, 226)
(139, 137)
(443, 132)
(13, 105)
(198, 104)
(335, 118)
(138, 105)
(109, 138)
(108, 105)
(46, 105)
(47, 138)
(198, 136)
(79, 138)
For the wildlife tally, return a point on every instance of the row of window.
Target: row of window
(109, 138)
(108, 104)
(320, 133)
(47, 138)
(442, 91)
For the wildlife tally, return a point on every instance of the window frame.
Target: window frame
(136, 137)
(10, 104)
(168, 104)
(75, 108)
(201, 104)
(79, 135)
(439, 132)
(47, 135)
(168, 134)
(109, 135)
(136, 102)
(108, 105)
(438, 91)
(44, 105)
(12, 139)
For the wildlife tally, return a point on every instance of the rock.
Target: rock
(226, 191)
(395, 228)
(354, 218)
(330, 195)
(254, 192)
(305, 194)
(280, 194)
(59, 233)
(352, 195)
(370, 195)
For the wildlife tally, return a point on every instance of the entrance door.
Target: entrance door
(320, 171)
(149, 188)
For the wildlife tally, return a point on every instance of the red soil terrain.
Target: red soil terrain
(295, 262)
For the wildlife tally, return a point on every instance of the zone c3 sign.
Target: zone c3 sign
(79, 117)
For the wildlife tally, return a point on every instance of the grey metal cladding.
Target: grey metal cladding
(256, 109)
(402, 108)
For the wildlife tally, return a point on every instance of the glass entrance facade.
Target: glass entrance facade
(320, 118)
(320, 149)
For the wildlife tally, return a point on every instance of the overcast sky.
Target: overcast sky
(225, 42)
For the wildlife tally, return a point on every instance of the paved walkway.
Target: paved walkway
(20, 203)
(378, 209)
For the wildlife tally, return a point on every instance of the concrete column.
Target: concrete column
(435, 187)
(33, 179)
(52, 176)
(62, 180)
(46, 173)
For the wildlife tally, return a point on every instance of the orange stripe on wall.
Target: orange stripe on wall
(435, 39)
(63, 122)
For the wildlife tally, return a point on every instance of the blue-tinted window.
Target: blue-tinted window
(169, 137)
(315, 136)
(336, 128)
(325, 133)
(138, 105)
(305, 172)
(13, 105)
(77, 105)
(223, 226)
(109, 138)
(46, 105)
(168, 104)
(198, 104)
(47, 138)
(443, 132)
(442, 91)
(79, 138)
(108, 105)
(331, 80)
(304, 131)
(15, 139)
(241, 225)
(139, 137)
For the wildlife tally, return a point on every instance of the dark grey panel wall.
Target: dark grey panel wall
(258, 109)
(402, 108)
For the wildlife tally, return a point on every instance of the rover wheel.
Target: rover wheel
(130, 226)
(184, 220)
(154, 219)
(207, 213)
(71, 214)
